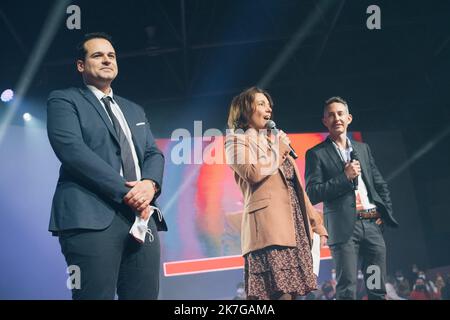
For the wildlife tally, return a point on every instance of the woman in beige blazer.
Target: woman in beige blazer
(278, 220)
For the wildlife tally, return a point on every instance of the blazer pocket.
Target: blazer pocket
(256, 205)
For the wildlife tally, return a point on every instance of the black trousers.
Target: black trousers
(111, 260)
(365, 244)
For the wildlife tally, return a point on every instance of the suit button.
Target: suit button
(353, 205)
(118, 153)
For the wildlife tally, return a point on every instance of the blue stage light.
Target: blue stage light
(7, 95)
(27, 117)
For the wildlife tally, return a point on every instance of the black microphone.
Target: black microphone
(270, 125)
(354, 156)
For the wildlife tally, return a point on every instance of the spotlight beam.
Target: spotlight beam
(13, 32)
(327, 35)
(420, 153)
(300, 35)
(48, 32)
(186, 183)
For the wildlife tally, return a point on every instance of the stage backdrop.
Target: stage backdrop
(203, 206)
(201, 203)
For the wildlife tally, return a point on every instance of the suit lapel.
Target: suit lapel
(297, 174)
(363, 162)
(264, 148)
(252, 139)
(282, 175)
(131, 120)
(332, 152)
(98, 106)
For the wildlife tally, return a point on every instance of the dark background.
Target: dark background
(185, 60)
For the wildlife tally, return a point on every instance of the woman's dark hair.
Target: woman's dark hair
(241, 108)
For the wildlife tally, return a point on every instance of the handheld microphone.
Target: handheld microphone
(270, 125)
(354, 156)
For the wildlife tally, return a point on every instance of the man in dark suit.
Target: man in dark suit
(111, 172)
(356, 203)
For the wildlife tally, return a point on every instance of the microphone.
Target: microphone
(270, 125)
(354, 156)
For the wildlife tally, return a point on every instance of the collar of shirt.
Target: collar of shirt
(98, 94)
(346, 155)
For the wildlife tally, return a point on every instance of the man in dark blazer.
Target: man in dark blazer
(342, 174)
(111, 172)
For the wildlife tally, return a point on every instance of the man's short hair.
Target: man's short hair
(81, 50)
(333, 100)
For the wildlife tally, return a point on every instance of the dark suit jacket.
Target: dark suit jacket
(90, 189)
(326, 182)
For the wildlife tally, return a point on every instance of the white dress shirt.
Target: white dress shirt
(115, 108)
(362, 189)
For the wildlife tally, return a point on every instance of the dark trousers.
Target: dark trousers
(367, 244)
(112, 259)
